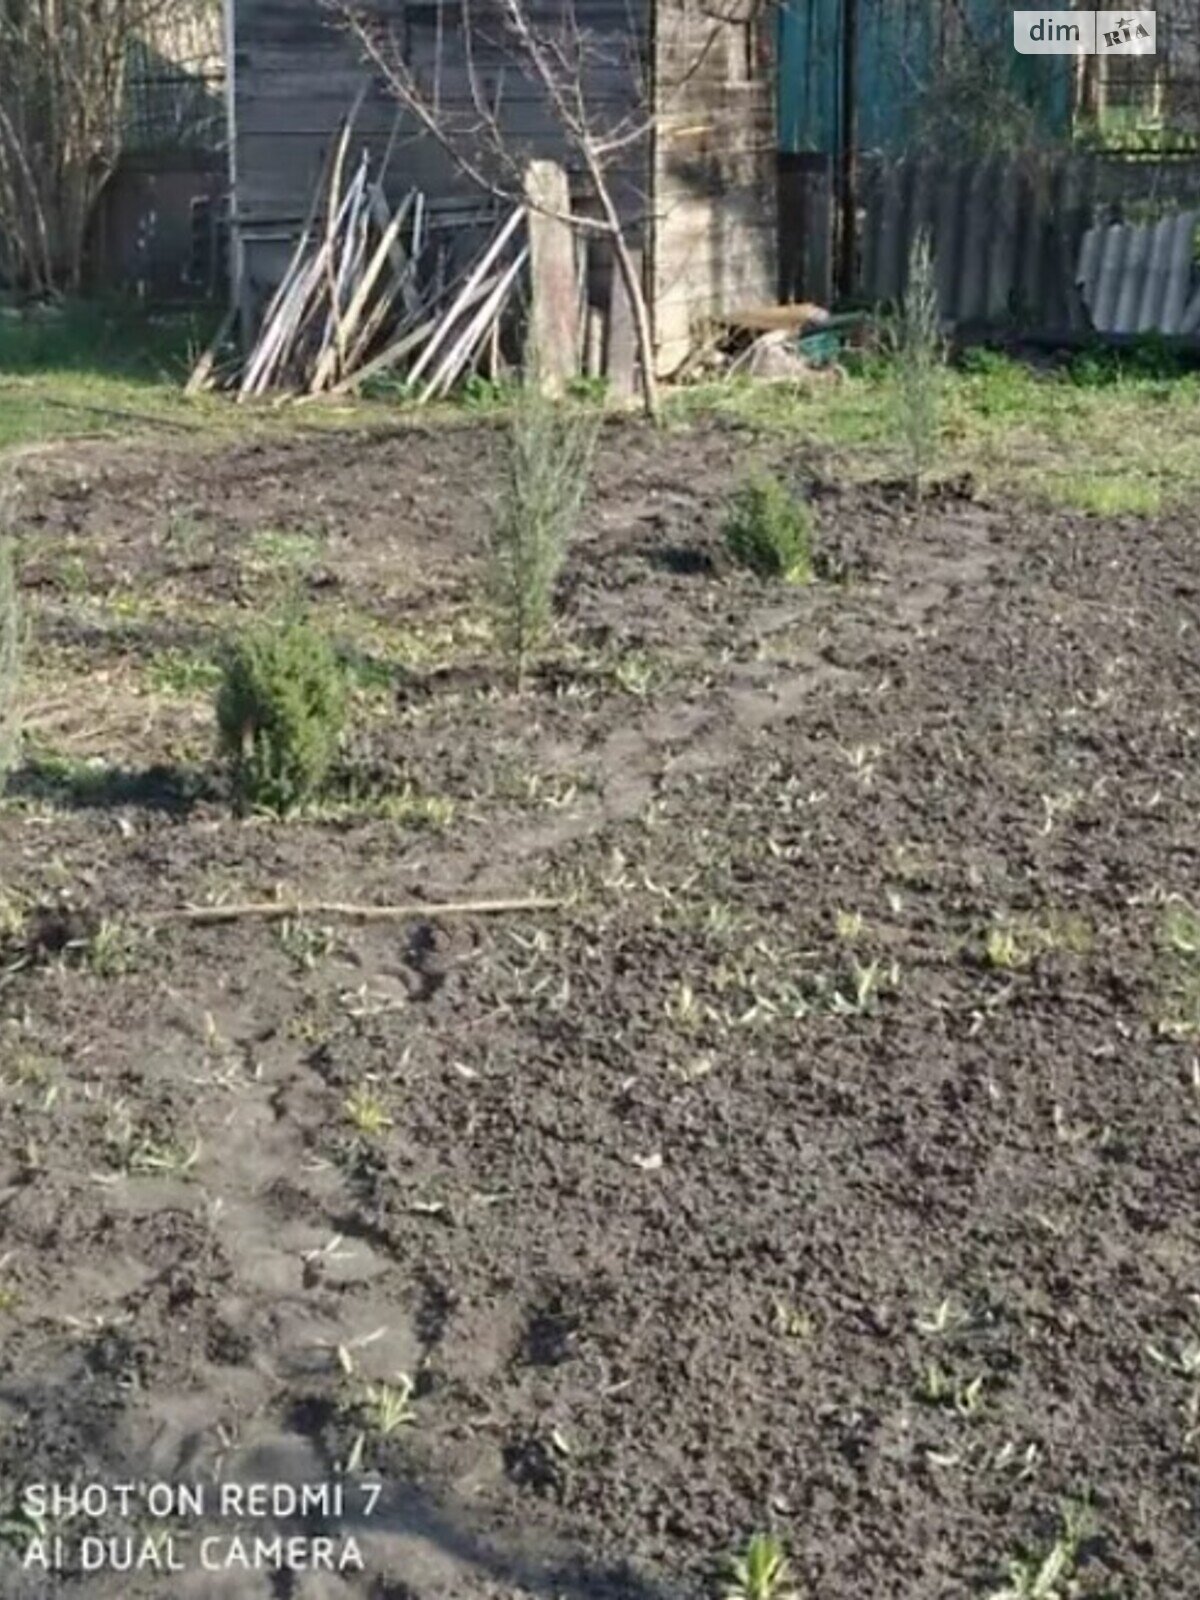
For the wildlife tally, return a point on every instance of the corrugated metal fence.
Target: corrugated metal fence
(1038, 243)
(1142, 279)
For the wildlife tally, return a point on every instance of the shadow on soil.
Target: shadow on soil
(683, 561)
(83, 787)
(410, 1514)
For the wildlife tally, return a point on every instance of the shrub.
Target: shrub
(281, 707)
(770, 531)
(548, 464)
(10, 659)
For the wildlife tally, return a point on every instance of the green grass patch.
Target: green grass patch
(1111, 444)
(71, 405)
(282, 552)
(110, 338)
(182, 673)
(1107, 495)
(1110, 431)
(1178, 1007)
(110, 368)
(88, 367)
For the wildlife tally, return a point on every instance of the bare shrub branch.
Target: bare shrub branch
(551, 51)
(62, 107)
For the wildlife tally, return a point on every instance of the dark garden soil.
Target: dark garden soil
(826, 1163)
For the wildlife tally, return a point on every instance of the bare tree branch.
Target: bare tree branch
(568, 68)
(62, 108)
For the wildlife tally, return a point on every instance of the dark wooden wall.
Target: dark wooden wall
(701, 190)
(296, 72)
(158, 230)
(295, 75)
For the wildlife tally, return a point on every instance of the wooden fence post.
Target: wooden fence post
(554, 307)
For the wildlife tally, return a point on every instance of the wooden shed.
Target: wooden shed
(697, 186)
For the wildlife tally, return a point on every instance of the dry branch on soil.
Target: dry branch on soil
(290, 910)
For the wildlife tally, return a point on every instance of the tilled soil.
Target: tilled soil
(825, 1163)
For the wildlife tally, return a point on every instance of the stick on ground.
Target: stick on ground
(287, 910)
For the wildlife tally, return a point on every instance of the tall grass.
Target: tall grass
(920, 365)
(547, 468)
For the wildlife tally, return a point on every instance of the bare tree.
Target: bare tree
(961, 78)
(62, 86)
(595, 86)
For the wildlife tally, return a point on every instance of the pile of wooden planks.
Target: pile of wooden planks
(369, 290)
(447, 332)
